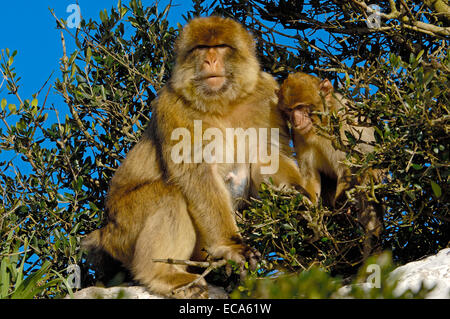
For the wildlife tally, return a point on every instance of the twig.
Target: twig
(73, 111)
(45, 83)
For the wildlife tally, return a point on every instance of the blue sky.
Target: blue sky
(29, 28)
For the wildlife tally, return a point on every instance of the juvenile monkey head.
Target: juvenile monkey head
(299, 95)
(215, 63)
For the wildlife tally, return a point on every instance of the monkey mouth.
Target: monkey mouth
(215, 82)
(215, 78)
(210, 74)
(303, 128)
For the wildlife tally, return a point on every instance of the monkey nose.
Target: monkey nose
(211, 62)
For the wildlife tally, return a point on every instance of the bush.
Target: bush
(315, 283)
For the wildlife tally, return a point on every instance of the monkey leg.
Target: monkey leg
(370, 216)
(312, 185)
(310, 181)
(168, 233)
(344, 182)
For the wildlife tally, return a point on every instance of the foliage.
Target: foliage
(314, 283)
(56, 162)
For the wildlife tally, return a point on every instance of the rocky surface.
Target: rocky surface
(133, 292)
(432, 271)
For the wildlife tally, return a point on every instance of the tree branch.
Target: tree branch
(441, 7)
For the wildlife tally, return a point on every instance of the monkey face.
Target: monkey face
(211, 61)
(302, 97)
(300, 118)
(216, 63)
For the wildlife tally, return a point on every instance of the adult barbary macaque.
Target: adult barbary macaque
(162, 207)
(308, 103)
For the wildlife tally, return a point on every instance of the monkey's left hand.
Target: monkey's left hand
(239, 253)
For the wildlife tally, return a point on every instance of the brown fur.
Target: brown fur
(160, 209)
(315, 153)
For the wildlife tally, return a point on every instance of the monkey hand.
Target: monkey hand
(238, 253)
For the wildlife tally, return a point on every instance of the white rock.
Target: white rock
(432, 270)
(133, 292)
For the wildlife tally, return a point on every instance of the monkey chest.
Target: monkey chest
(237, 181)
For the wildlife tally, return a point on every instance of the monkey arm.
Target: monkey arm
(137, 169)
(287, 175)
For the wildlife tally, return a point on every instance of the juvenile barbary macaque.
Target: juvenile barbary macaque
(162, 204)
(308, 102)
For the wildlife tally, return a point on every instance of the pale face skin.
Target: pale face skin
(212, 74)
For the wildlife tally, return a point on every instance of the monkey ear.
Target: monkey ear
(326, 87)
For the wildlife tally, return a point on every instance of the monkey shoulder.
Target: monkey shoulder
(140, 166)
(168, 112)
(263, 100)
(268, 86)
(166, 102)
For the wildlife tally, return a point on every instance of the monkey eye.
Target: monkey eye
(201, 47)
(306, 107)
(205, 47)
(223, 46)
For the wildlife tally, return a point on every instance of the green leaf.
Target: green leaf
(93, 206)
(29, 287)
(347, 79)
(73, 56)
(436, 189)
(419, 55)
(12, 108)
(34, 103)
(428, 77)
(3, 104)
(123, 11)
(4, 277)
(104, 16)
(88, 55)
(24, 258)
